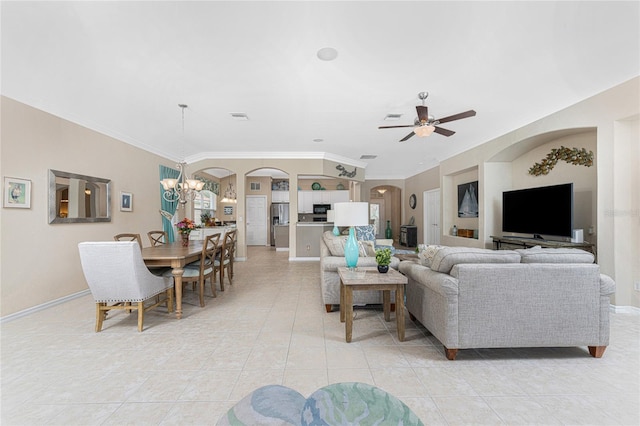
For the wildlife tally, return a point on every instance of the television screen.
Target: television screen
(546, 210)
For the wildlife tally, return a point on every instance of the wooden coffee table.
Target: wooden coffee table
(368, 278)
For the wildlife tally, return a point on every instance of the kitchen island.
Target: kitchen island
(308, 235)
(202, 233)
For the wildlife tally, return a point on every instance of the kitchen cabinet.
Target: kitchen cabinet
(279, 196)
(339, 197)
(202, 233)
(282, 236)
(306, 199)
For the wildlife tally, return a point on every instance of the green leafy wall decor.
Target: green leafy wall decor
(575, 156)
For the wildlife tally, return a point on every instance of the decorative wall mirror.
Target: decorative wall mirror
(77, 198)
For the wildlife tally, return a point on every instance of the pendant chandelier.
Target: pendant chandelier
(229, 193)
(182, 188)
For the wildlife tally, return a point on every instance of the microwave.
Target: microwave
(321, 208)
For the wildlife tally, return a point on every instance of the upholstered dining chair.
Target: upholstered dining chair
(198, 272)
(116, 273)
(128, 237)
(157, 238)
(223, 261)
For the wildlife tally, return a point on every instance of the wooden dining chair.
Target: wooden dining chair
(119, 279)
(223, 261)
(157, 238)
(203, 269)
(234, 234)
(129, 237)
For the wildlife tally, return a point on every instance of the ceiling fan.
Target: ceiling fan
(425, 124)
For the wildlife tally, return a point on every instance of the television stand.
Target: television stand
(508, 243)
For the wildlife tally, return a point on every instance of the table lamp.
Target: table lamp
(351, 214)
(331, 217)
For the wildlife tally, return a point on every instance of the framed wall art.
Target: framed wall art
(17, 193)
(126, 202)
(468, 199)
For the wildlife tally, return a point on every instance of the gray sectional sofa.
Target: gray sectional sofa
(477, 298)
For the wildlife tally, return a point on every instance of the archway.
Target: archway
(384, 204)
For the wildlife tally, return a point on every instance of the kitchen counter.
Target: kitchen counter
(308, 235)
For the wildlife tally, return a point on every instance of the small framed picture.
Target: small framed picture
(126, 202)
(17, 193)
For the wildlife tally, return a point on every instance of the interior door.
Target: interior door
(257, 220)
(431, 209)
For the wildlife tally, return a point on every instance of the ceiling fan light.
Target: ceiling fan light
(424, 131)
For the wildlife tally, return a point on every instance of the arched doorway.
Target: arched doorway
(384, 205)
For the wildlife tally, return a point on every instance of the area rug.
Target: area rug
(348, 403)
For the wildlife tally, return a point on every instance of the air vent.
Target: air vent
(392, 117)
(240, 116)
(368, 157)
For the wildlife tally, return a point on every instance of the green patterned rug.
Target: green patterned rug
(336, 404)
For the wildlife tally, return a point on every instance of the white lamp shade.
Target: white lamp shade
(351, 214)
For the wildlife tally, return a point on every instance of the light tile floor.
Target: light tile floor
(270, 327)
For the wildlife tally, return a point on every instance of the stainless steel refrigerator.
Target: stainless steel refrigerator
(279, 216)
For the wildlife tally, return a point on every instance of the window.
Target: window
(255, 186)
(204, 203)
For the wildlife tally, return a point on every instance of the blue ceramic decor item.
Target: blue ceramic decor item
(336, 231)
(351, 250)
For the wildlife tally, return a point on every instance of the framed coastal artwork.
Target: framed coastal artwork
(126, 201)
(468, 199)
(17, 193)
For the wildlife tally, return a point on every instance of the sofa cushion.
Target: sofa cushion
(426, 253)
(335, 244)
(365, 233)
(554, 255)
(447, 257)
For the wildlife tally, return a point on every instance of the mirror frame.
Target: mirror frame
(53, 217)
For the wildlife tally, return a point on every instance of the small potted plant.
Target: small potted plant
(383, 259)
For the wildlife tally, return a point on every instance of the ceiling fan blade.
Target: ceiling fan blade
(444, 132)
(459, 116)
(407, 137)
(423, 114)
(394, 127)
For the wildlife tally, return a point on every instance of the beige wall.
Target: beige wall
(418, 184)
(614, 116)
(40, 262)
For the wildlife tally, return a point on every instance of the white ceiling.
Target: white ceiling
(121, 68)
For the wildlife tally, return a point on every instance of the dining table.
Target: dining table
(175, 256)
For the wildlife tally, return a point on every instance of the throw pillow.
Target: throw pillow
(427, 253)
(365, 233)
(335, 244)
(368, 248)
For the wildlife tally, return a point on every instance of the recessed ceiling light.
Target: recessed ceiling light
(318, 140)
(327, 54)
(240, 116)
(392, 117)
(368, 157)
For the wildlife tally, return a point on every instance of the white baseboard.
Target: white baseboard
(43, 306)
(624, 309)
(282, 248)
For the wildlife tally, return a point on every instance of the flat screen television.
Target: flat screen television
(545, 210)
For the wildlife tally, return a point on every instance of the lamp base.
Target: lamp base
(351, 252)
